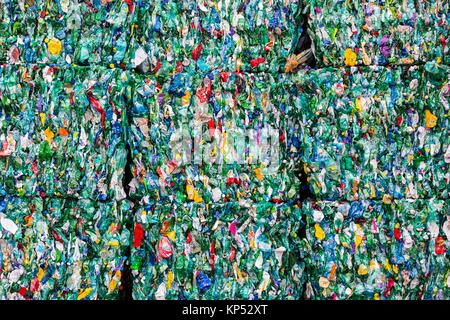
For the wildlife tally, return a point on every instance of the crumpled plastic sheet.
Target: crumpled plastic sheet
(378, 32)
(218, 138)
(61, 249)
(65, 32)
(63, 131)
(375, 250)
(202, 36)
(217, 251)
(375, 132)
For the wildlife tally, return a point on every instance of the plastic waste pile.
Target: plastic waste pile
(372, 249)
(217, 251)
(63, 132)
(218, 138)
(203, 36)
(379, 32)
(375, 132)
(227, 149)
(63, 32)
(61, 248)
(63, 211)
(214, 158)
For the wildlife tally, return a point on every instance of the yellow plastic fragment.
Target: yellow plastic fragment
(43, 117)
(54, 46)
(320, 234)
(259, 174)
(430, 119)
(349, 57)
(362, 270)
(49, 135)
(84, 293)
(169, 279)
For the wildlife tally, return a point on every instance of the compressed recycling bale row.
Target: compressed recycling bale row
(375, 132)
(65, 32)
(379, 32)
(61, 249)
(62, 132)
(214, 138)
(153, 36)
(225, 251)
(209, 35)
(373, 250)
